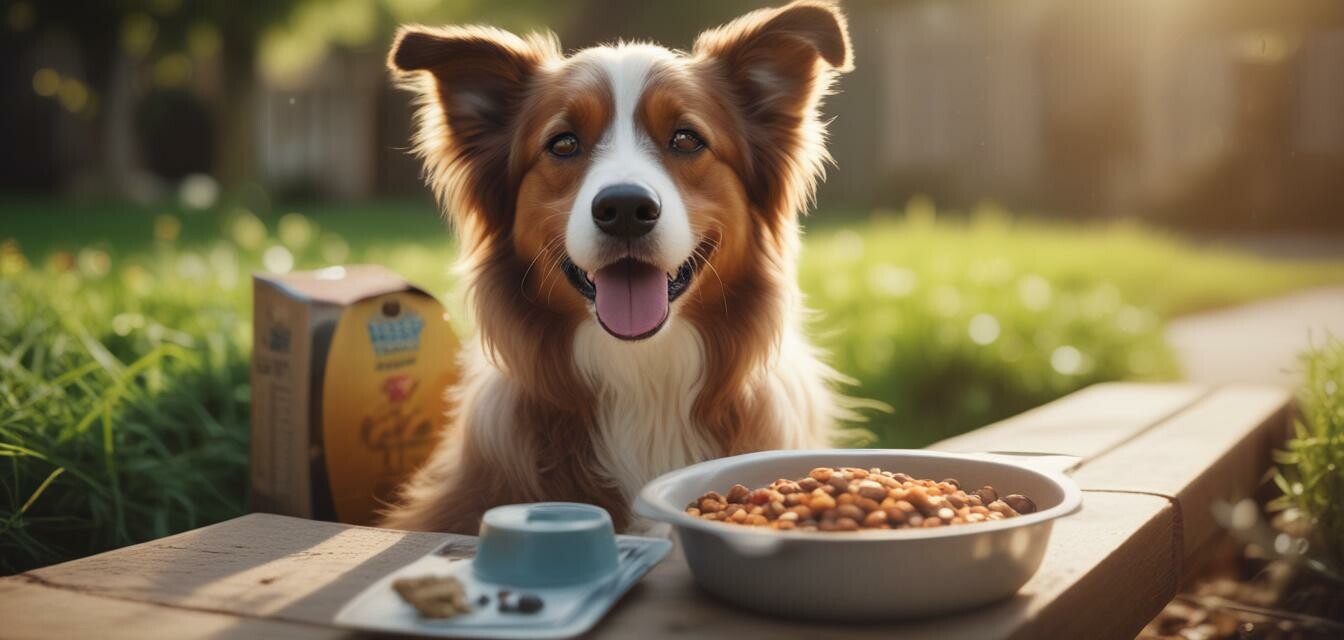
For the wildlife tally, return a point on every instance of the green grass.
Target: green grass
(124, 337)
(1312, 469)
(1055, 308)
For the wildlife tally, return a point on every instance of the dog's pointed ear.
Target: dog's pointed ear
(779, 57)
(471, 83)
(778, 63)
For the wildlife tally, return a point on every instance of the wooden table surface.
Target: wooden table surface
(1155, 456)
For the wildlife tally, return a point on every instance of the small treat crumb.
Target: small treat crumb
(433, 596)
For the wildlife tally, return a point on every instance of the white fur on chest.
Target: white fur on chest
(644, 392)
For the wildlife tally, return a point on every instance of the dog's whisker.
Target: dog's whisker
(522, 283)
(703, 257)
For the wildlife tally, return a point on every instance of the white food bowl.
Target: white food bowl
(864, 575)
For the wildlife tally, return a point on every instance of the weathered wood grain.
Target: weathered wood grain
(259, 565)
(1087, 423)
(32, 611)
(1216, 449)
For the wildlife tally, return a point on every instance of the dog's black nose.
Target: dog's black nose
(625, 210)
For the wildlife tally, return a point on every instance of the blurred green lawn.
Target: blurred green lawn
(124, 336)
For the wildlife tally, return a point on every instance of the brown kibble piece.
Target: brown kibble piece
(738, 494)
(1021, 503)
(872, 490)
(1000, 507)
(853, 512)
(987, 494)
(822, 502)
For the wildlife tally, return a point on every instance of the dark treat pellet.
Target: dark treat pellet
(529, 604)
(522, 603)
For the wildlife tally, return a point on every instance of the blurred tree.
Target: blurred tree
(132, 47)
(219, 52)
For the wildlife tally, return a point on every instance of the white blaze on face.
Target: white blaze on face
(626, 154)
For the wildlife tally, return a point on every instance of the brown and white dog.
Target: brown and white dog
(628, 222)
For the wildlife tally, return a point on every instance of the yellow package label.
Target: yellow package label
(391, 359)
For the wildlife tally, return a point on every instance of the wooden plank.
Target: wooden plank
(32, 611)
(1087, 423)
(1216, 449)
(257, 565)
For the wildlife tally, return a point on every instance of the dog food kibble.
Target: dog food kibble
(850, 499)
(433, 596)
(1020, 503)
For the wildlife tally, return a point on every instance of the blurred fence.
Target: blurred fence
(1201, 112)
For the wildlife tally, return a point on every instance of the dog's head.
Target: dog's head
(611, 183)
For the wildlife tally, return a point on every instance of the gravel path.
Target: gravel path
(1258, 342)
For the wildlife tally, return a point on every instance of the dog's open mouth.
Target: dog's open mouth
(632, 297)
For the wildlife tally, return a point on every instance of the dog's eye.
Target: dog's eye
(565, 145)
(685, 141)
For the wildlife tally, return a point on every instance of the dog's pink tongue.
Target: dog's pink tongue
(631, 298)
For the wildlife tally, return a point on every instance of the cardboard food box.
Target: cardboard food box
(349, 368)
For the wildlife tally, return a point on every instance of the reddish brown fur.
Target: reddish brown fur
(491, 101)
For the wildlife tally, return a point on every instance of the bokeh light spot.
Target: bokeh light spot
(198, 191)
(46, 82)
(892, 281)
(295, 231)
(984, 329)
(73, 95)
(1067, 360)
(247, 230)
(138, 32)
(278, 259)
(1035, 292)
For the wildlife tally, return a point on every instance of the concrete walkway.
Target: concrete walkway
(1258, 342)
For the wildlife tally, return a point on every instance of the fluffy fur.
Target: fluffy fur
(550, 406)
